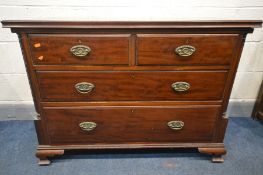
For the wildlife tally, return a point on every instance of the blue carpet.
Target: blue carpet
(244, 142)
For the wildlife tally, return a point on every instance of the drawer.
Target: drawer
(78, 49)
(186, 49)
(131, 86)
(127, 125)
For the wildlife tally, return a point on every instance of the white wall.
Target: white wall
(14, 88)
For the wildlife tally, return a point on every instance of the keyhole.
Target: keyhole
(132, 76)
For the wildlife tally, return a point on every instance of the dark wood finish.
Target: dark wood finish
(206, 27)
(210, 49)
(258, 107)
(133, 66)
(131, 146)
(232, 72)
(130, 103)
(50, 49)
(39, 124)
(132, 86)
(44, 154)
(130, 68)
(215, 152)
(124, 125)
(221, 125)
(222, 24)
(132, 51)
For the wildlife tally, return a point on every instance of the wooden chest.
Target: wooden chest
(117, 85)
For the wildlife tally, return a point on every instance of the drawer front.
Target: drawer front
(186, 49)
(131, 86)
(56, 49)
(124, 125)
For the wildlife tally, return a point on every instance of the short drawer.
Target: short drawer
(186, 49)
(131, 86)
(78, 49)
(127, 125)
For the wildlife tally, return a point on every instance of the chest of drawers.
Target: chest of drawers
(118, 85)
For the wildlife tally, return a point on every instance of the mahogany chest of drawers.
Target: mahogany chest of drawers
(117, 85)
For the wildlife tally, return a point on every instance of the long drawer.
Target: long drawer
(186, 49)
(131, 124)
(79, 49)
(131, 86)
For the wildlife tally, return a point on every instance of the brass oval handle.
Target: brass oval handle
(185, 50)
(84, 87)
(180, 86)
(87, 126)
(175, 125)
(80, 50)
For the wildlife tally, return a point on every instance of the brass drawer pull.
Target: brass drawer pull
(87, 126)
(80, 50)
(84, 87)
(185, 50)
(180, 86)
(175, 125)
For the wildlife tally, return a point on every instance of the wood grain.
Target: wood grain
(55, 49)
(210, 49)
(132, 145)
(130, 68)
(132, 24)
(40, 125)
(131, 86)
(131, 125)
(132, 65)
(44, 154)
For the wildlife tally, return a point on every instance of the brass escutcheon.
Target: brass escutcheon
(80, 50)
(175, 125)
(180, 86)
(84, 87)
(87, 126)
(185, 50)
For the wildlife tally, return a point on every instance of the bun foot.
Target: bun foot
(215, 152)
(44, 154)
